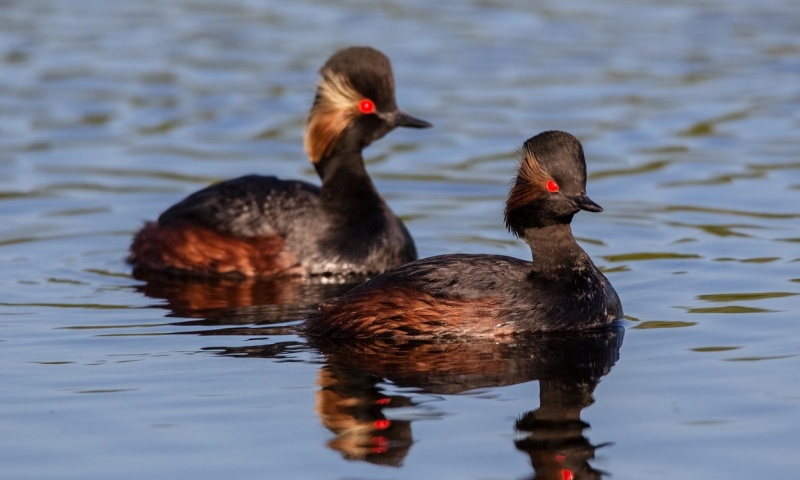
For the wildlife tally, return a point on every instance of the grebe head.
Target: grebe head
(550, 186)
(356, 89)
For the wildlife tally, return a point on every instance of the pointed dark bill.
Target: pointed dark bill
(585, 203)
(400, 119)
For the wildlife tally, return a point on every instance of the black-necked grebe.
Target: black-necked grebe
(494, 295)
(263, 226)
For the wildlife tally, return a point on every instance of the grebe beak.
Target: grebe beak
(400, 119)
(585, 203)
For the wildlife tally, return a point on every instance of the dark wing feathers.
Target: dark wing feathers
(440, 275)
(244, 206)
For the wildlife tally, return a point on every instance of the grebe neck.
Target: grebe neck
(345, 181)
(554, 248)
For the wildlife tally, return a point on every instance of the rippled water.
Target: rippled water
(689, 114)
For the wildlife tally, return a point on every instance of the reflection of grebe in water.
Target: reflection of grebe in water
(352, 406)
(246, 306)
(567, 366)
(256, 300)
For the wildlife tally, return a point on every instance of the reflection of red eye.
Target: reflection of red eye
(380, 444)
(366, 106)
(552, 186)
(381, 424)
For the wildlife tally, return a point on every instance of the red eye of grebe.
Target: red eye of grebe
(552, 186)
(366, 106)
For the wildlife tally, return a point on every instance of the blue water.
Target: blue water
(689, 115)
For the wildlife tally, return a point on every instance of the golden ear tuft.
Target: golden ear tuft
(334, 108)
(336, 91)
(531, 182)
